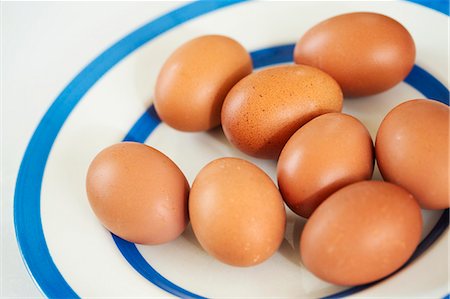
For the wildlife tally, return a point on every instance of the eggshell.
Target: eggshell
(138, 193)
(412, 150)
(361, 233)
(326, 154)
(195, 79)
(263, 110)
(365, 52)
(236, 211)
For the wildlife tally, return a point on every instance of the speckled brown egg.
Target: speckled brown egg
(236, 211)
(365, 52)
(263, 110)
(329, 152)
(412, 150)
(195, 79)
(138, 193)
(361, 233)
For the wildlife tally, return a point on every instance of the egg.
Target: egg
(412, 150)
(329, 152)
(236, 212)
(264, 109)
(195, 79)
(365, 52)
(138, 193)
(362, 233)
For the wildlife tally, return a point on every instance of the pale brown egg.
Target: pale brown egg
(361, 233)
(236, 212)
(412, 151)
(263, 110)
(138, 193)
(195, 79)
(365, 52)
(329, 152)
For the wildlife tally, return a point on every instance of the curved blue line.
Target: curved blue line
(27, 219)
(427, 85)
(418, 78)
(144, 126)
(274, 55)
(438, 5)
(135, 259)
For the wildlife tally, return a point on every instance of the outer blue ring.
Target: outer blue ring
(27, 219)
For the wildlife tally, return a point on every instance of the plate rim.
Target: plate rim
(95, 69)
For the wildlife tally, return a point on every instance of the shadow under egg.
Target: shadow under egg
(290, 246)
(190, 237)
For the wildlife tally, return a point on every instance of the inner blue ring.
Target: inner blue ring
(418, 78)
(27, 218)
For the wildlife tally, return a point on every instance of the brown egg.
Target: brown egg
(326, 154)
(361, 233)
(365, 52)
(236, 211)
(263, 110)
(138, 193)
(412, 151)
(195, 79)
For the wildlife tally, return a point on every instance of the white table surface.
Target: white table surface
(44, 45)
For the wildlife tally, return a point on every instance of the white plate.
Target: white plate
(68, 252)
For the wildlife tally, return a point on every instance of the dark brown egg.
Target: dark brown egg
(195, 79)
(365, 52)
(412, 151)
(263, 110)
(138, 193)
(361, 233)
(329, 152)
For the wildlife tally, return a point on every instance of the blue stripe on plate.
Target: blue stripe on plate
(274, 55)
(134, 258)
(430, 87)
(27, 219)
(144, 126)
(438, 5)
